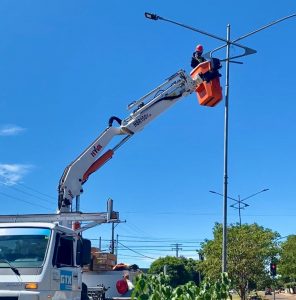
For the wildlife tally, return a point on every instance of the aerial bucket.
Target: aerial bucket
(208, 93)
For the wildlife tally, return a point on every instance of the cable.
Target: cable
(136, 228)
(162, 239)
(28, 202)
(136, 252)
(170, 213)
(158, 246)
(36, 191)
(126, 255)
(27, 187)
(26, 193)
(159, 250)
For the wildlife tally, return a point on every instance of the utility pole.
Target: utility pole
(110, 208)
(100, 243)
(112, 245)
(112, 239)
(177, 248)
(116, 253)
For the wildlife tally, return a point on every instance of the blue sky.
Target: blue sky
(67, 66)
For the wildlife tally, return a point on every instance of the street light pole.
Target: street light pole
(240, 203)
(239, 210)
(247, 51)
(225, 186)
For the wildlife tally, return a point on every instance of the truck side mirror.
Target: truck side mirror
(83, 252)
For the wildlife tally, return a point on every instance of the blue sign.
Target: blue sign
(66, 280)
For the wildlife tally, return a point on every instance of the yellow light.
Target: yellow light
(31, 286)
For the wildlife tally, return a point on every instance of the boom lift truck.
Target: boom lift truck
(41, 255)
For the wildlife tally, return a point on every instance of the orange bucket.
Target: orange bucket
(208, 93)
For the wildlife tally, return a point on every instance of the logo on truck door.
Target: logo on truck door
(66, 280)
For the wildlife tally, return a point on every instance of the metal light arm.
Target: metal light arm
(248, 51)
(248, 34)
(264, 190)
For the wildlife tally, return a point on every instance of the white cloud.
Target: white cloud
(8, 130)
(11, 174)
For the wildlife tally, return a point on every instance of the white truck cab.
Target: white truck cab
(41, 261)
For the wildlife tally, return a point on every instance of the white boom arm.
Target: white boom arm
(146, 109)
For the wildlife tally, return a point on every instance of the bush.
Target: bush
(156, 287)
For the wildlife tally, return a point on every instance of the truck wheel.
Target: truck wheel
(84, 295)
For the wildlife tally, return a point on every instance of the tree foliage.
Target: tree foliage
(287, 263)
(180, 270)
(249, 252)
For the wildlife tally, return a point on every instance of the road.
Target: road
(281, 296)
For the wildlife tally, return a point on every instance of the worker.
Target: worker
(124, 286)
(197, 57)
(129, 283)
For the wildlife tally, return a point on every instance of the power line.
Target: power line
(172, 213)
(136, 251)
(148, 241)
(25, 201)
(135, 256)
(137, 229)
(28, 194)
(162, 239)
(36, 191)
(158, 246)
(161, 250)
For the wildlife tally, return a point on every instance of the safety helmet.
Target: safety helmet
(199, 48)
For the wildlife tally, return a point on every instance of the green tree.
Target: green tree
(287, 263)
(180, 270)
(192, 267)
(249, 252)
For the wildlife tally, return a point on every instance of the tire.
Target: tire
(84, 295)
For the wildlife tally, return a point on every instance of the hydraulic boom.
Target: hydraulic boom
(143, 112)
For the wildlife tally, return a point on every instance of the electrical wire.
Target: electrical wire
(162, 241)
(27, 187)
(135, 228)
(150, 241)
(159, 250)
(36, 191)
(28, 194)
(25, 201)
(136, 252)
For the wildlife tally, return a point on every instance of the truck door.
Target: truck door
(66, 276)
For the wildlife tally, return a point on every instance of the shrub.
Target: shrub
(156, 287)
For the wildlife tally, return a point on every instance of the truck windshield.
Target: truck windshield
(23, 247)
